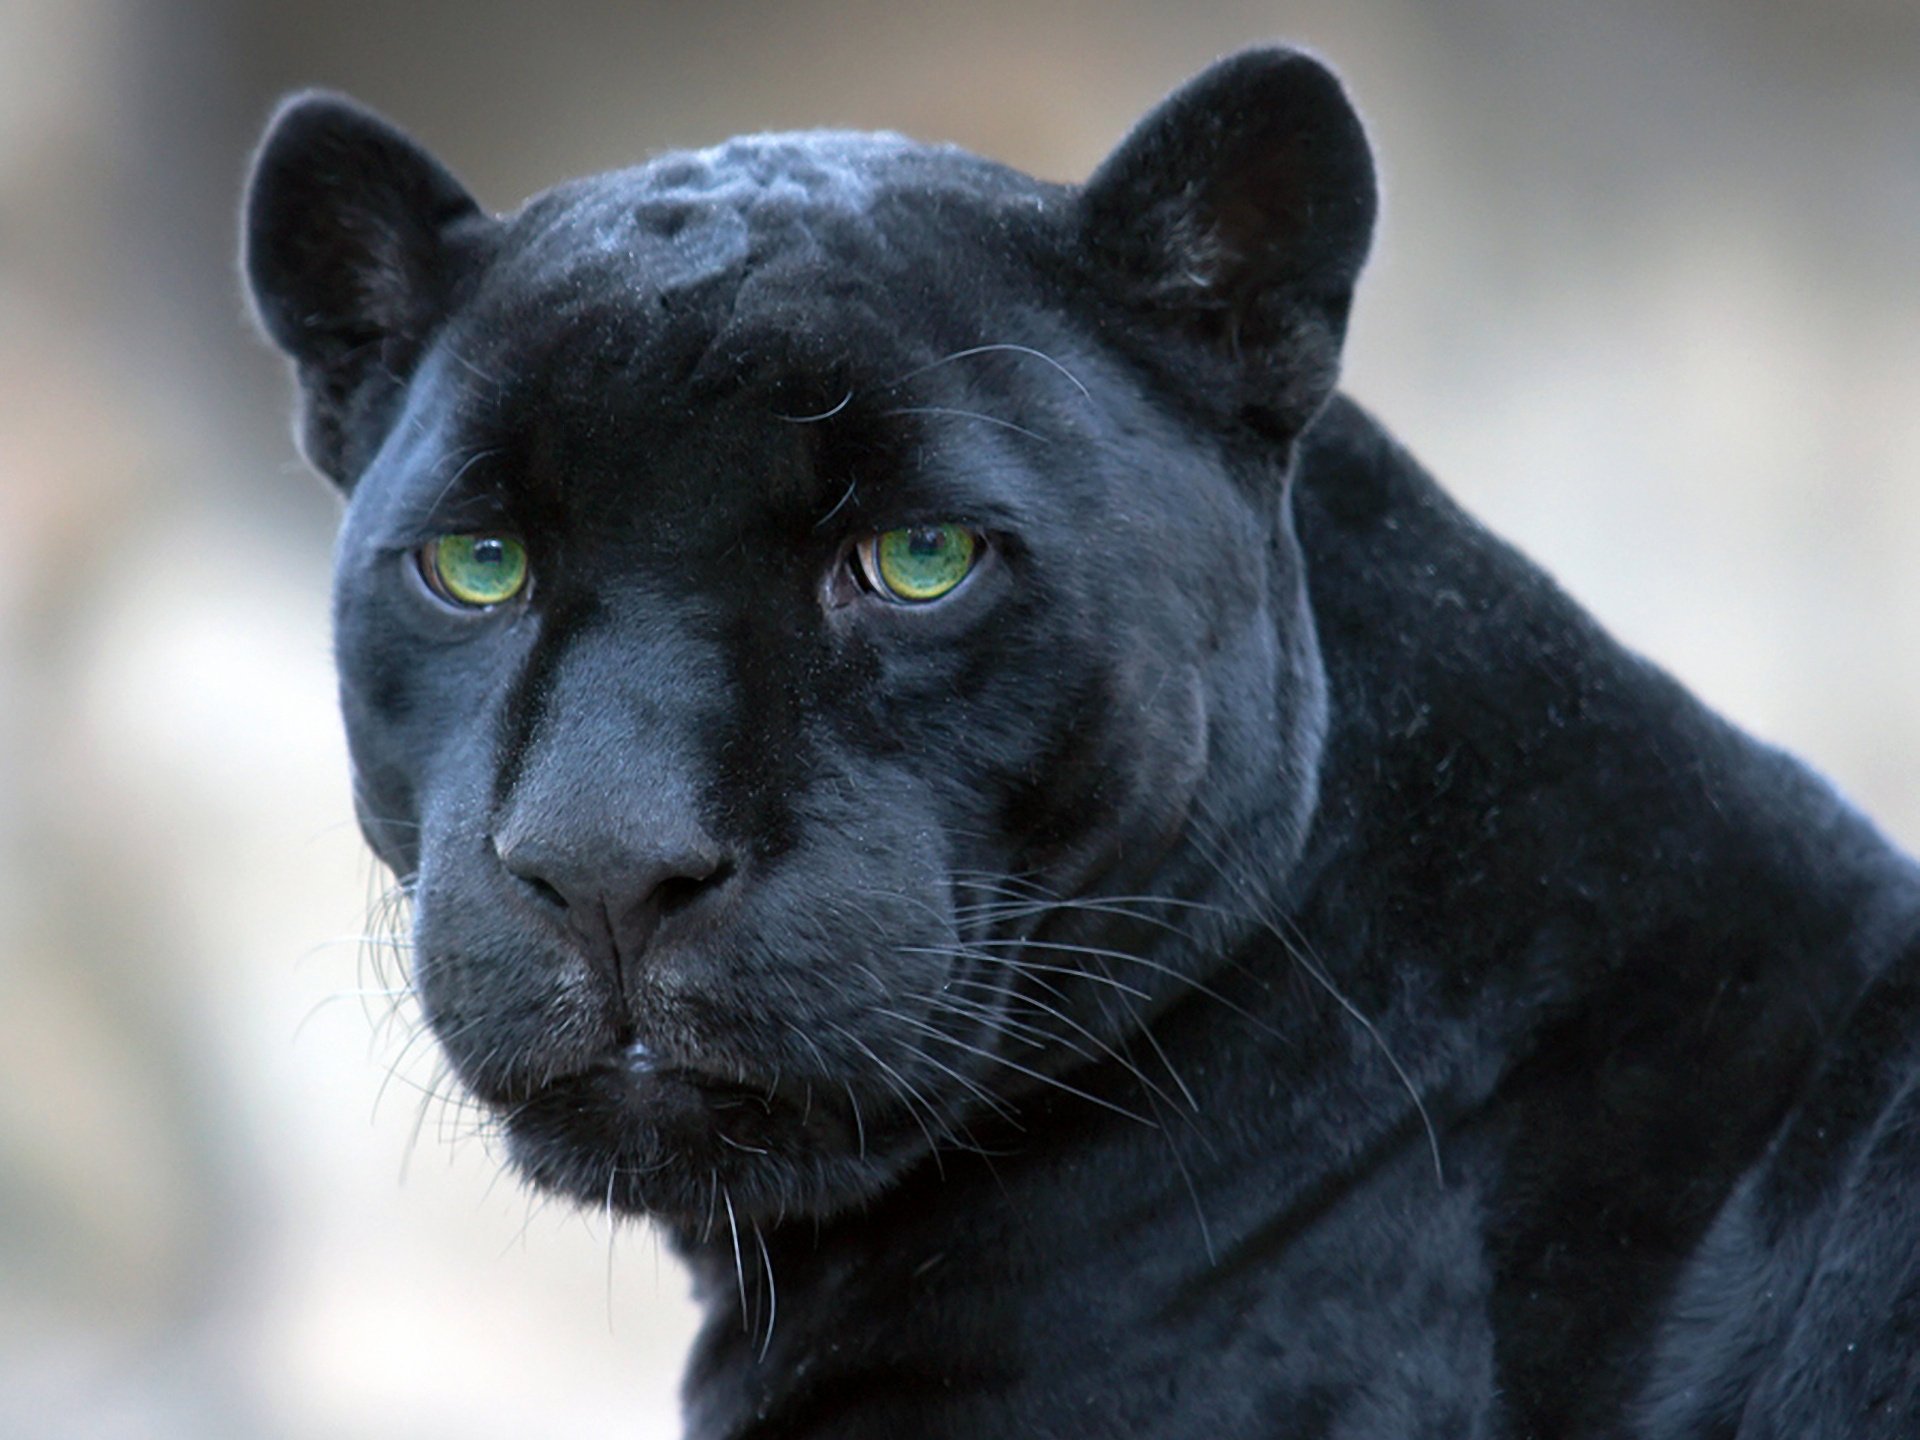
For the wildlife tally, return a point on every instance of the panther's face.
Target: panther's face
(786, 595)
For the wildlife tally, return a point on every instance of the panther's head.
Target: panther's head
(795, 598)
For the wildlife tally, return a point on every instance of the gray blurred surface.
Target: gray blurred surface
(1647, 296)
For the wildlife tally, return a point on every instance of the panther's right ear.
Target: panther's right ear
(353, 239)
(1238, 214)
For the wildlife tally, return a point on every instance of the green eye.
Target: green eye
(475, 570)
(920, 563)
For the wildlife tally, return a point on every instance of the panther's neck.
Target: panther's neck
(1527, 812)
(1430, 986)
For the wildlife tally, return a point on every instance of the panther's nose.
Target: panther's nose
(612, 890)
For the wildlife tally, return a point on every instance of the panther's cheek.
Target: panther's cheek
(1122, 793)
(1173, 749)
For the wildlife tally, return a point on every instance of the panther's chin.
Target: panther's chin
(688, 1146)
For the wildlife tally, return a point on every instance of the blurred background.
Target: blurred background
(1647, 297)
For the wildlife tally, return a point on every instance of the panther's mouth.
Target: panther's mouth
(644, 1130)
(724, 1090)
(649, 1084)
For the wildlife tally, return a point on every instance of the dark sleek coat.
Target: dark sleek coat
(1252, 959)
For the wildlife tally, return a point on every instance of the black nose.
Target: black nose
(614, 890)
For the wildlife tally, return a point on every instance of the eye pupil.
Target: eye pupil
(920, 563)
(477, 571)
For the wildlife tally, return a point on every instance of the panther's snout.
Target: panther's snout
(582, 877)
(613, 900)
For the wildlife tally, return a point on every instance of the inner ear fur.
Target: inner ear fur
(1239, 213)
(353, 239)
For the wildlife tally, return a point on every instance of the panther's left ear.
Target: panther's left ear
(1239, 212)
(353, 243)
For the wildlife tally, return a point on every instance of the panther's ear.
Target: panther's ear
(353, 239)
(1239, 212)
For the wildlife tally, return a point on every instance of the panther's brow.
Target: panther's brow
(992, 349)
(453, 481)
(845, 400)
(838, 505)
(969, 415)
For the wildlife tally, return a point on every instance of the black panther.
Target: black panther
(936, 757)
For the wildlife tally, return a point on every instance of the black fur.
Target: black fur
(1254, 960)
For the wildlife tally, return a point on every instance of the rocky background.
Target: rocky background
(1647, 296)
